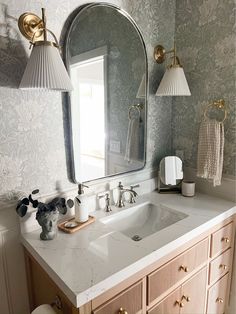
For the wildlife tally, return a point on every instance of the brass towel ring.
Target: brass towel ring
(219, 104)
(137, 107)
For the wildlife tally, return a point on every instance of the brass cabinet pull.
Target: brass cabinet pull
(184, 268)
(225, 239)
(180, 304)
(219, 300)
(122, 311)
(223, 266)
(185, 297)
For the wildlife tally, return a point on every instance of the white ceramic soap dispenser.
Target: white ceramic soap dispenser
(81, 206)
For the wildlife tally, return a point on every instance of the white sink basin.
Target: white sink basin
(143, 220)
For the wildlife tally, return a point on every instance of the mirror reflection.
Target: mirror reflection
(171, 170)
(107, 63)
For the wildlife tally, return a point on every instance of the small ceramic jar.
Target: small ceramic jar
(188, 188)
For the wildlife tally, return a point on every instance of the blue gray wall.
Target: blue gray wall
(206, 46)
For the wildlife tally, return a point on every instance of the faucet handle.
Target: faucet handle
(120, 185)
(133, 193)
(106, 196)
(133, 186)
(80, 188)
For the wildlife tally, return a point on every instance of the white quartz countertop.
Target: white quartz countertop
(91, 261)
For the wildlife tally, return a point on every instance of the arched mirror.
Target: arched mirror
(107, 62)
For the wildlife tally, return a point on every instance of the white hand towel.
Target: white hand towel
(211, 151)
(44, 309)
(132, 141)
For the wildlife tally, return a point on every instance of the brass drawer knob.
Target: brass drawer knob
(180, 304)
(225, 239)
(219, 300)
(185, 297)
(223, 266)
(122, 311)
(184, 268)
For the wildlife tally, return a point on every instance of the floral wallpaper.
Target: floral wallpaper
(33, 149)
(205, 37)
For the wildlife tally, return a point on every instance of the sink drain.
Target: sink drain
(136, 237)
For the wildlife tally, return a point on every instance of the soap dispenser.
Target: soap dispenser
(81, 205)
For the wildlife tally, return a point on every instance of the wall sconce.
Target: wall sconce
(174, 82)
(45, 68)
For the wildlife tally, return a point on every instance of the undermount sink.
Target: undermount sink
(143, 220)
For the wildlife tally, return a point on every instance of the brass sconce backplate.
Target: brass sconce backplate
(159, 54)
(28, 24)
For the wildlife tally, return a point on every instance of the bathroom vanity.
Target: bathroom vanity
(182, 268)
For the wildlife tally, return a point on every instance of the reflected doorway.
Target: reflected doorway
(89, 73)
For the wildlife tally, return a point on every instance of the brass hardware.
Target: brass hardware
(34, 29)
(218, 104)
(180, 304)
(137, 107)
(184, 297)
(29, 24)
(223, 266)
(122, 311)
(160, 56)
(225, 239)
(184, 268)
(219, 300)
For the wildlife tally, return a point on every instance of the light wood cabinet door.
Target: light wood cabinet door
(217, 296)
(129, 300)
(170, 305)
(171, 273)
(193, 294)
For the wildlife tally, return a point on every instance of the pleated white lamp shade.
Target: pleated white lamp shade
(173, 83)
(45, 70)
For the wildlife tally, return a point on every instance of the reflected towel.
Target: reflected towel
(211, 151)
(133, 139)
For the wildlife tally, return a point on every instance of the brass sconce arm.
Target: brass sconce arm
(34, 28)
(160, 55)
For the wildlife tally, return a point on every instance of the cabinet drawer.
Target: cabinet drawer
(217, 296)
(130, 300)
(221, 239)
(169, 305)
(220, 266)
(165, 277)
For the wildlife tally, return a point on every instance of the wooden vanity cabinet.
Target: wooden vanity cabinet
(194, 279)
(187, 298)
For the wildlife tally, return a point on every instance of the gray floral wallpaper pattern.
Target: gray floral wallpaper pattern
(206, 43)
(32, 144)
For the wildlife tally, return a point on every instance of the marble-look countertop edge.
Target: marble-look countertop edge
(64, 288)
(81, 298)
(151, 258)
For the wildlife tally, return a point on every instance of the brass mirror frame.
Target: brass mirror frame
(80, 10)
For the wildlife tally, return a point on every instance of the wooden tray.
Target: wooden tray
(78, 225)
